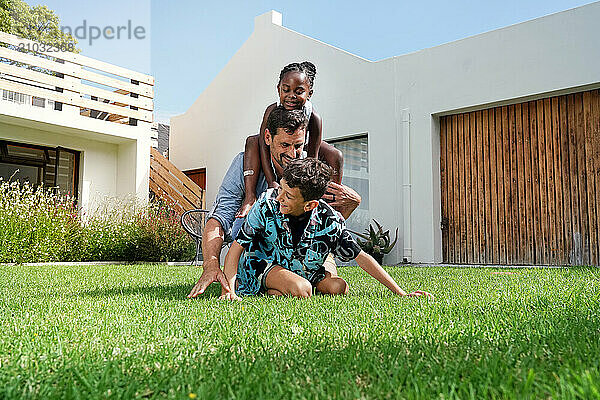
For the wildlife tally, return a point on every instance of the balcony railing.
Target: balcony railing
(94, 88)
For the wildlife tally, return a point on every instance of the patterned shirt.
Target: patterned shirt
(267, 240)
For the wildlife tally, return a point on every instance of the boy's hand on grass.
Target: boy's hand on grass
(230, 296)
(419, 293)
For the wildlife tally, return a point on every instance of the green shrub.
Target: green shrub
(133, 233)
(37, 225)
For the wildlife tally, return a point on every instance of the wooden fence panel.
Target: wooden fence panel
(473, 188)
(523, 252)
(595, 132)
(568, 226)
(481, 163)
(172, 185)
(469, 190)
(576, 233)
(521, 183)
(582, 177)
(444, 189)
(590, 178)
(457, 190)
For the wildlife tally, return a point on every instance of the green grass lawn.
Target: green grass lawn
(129, 331)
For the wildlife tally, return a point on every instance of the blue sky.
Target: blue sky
(186, 43)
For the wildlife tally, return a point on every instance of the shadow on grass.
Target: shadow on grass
(165, 292)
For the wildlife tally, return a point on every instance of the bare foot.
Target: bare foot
(245, 208)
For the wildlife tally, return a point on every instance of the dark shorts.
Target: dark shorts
(263, 267)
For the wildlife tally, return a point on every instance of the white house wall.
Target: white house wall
(533, 59)
(396, 101)
(106, 170)
(350, 101)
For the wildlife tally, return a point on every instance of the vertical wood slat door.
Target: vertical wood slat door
(521, 183)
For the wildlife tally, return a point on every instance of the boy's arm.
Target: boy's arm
(265, 154)
(230, 270)
(315, 134)
(373, 268)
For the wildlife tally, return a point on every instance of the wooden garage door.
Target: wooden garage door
(521, 183)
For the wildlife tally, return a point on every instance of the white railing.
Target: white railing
(34, 69)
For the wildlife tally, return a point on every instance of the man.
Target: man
(288, 234)
(285, 134)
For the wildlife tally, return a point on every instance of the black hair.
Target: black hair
(305, 67)
(309, 175)
(287, 119)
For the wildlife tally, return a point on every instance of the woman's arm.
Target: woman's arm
(265, 154)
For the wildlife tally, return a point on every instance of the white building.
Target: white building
(68, 126)
(396, 108)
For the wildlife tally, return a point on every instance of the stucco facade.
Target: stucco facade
(114, 158)
(396, 101)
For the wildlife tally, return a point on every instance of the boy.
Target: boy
(287, 236)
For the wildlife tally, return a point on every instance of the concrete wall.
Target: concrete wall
(396, 101)
(547, 56)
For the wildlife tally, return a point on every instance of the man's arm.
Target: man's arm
(212, 242)
(231, 265)
(368, 263)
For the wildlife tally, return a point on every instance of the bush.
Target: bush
(38, 225)
(133, 233)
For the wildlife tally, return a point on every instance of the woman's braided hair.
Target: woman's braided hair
(305, 67)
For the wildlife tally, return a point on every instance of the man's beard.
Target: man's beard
(284, 160)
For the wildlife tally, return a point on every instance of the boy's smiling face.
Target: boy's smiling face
(294, 90)
(291, 201)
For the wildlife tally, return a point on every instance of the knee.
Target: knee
(301, 288)
(335, 286)
(338, 286)
(337, 158)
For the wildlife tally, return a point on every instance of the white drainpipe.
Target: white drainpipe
(406, 183)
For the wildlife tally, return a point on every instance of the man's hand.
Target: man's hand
(212, 273)
(230, 296)
(418, 293)
(343, 198)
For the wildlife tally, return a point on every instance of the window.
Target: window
(54, 167)
(38, 102)
(356, 175)
(15, 97)
(25, 99)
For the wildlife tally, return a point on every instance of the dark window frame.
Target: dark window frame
(5, 157)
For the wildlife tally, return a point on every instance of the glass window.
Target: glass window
(65, 179)
(56, 168)
(21, 173)
(15, 97)
(26, 152)
(356, 175)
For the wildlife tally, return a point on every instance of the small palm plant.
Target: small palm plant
(376, 242)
